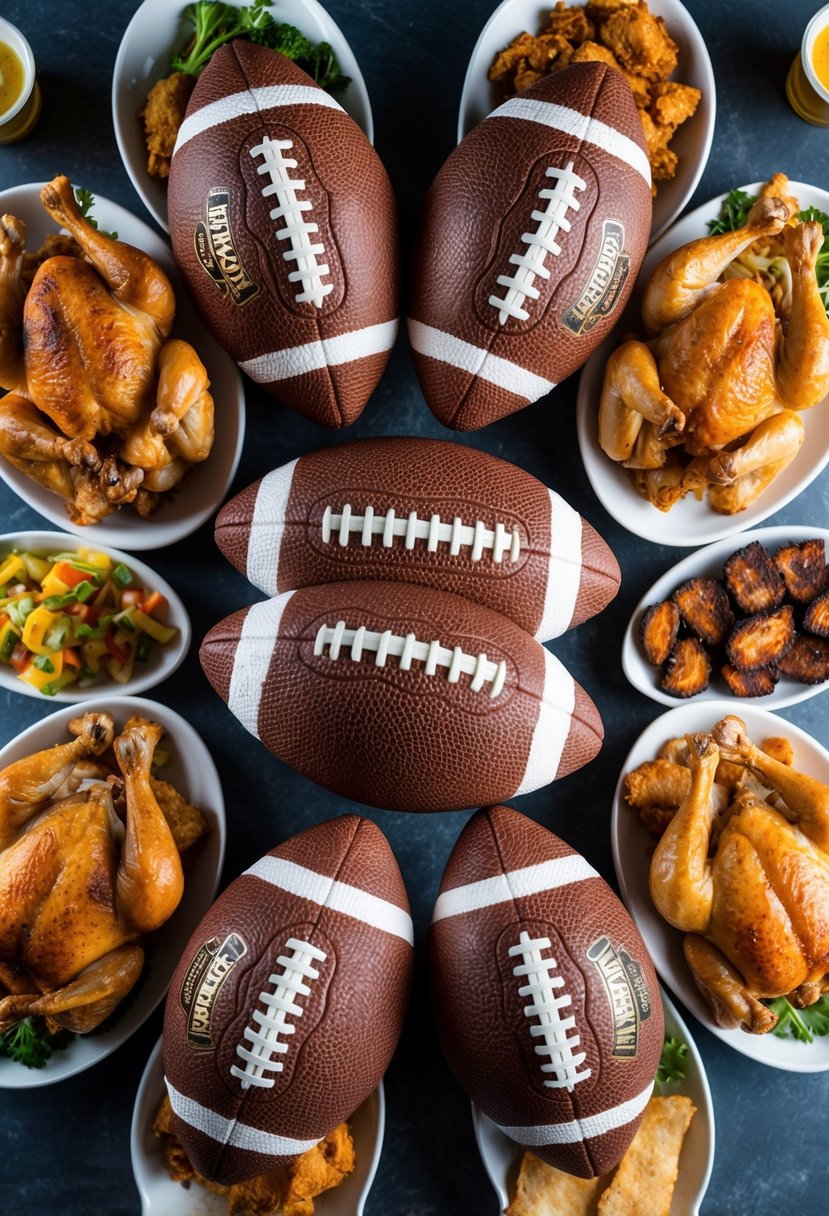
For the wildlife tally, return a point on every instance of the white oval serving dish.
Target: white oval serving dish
(206, 484)
(691, 523)
(631, 848)
(708, 563)
(160, 29)
(692, 142)
(163, 660)
(192, 771)
(501, 1157)
(160, 1196)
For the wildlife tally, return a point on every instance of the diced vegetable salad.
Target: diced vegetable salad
(76, 618)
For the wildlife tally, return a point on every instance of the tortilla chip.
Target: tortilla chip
(542, 1190)
(651, 1164)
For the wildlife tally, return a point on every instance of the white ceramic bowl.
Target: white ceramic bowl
(162, 1197)
(160, 29)
(708, 563)
(693, 140)
(163, 660)
(501, 1157)
(632, 846)
(191, 771)
(691, 523)
(206, 484)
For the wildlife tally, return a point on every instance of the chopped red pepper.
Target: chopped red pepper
(153, 603)
(20, 657)
(70, 575)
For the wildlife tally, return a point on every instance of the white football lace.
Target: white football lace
(408, 650)
(309, 272)
(559, 1045)
(551, 222)
(434, 531)
(274, 1027)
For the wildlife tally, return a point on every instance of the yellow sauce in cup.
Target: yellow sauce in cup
(12, 77)
(820, 57)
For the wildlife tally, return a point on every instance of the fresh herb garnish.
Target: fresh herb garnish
(673, 1063)
(803, 1024)
(86, 201)
(30, 1043)
(734, 212)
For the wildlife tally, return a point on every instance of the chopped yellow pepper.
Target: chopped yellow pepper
(39, 679)
(12, 567)
(92, 558)
(161, 633)
(38, 624)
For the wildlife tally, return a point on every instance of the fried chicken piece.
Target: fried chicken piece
(816, 620)
(804, 569)
(673, 103)
(661, 783)
(594, 52)
(549, 53)
(704, 607)
(662, 159)
(570, 22)
(659, 627)
(186, 822)
(323, 1167)
(163, 114)
(508, 61)
(760, 640)
(640, 88)
(640, 41)
(688, 669)
(778, 187)
(807, 661)
(779, 749)
(754, 579)
(758, 683)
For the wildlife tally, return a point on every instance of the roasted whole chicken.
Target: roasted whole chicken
(78, 886)
(742, 867)
(711, 399)
(102, 407)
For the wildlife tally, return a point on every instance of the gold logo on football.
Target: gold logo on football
(627, 993)
(217, 253)
(209, 970)
(601, 293)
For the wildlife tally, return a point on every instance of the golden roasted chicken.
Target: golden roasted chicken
(77, 885)
(742, 868)
(102, 407)
(711, 400)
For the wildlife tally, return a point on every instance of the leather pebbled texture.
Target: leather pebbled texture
(474, 219)
(482, 1023)
(427, 477)
(351, 1019)
(404, 739)
(243, 292)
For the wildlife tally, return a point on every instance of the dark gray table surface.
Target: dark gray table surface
(65, 1148)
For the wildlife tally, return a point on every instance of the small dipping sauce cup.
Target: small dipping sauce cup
(807, 85)
(20, 98)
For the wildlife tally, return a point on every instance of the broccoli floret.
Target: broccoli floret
(322, 65)
(286, 39)
(217, 23)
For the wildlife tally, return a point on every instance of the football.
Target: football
(283, 225)
(400, 696)
(288, 1001)
(428, 512)
(545, 998)
(530, 240)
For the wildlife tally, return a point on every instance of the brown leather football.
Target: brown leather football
(428, 512)
(530, 241)
(546, 1001)
(283, 224)
(400, 696)
(288, 1001)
